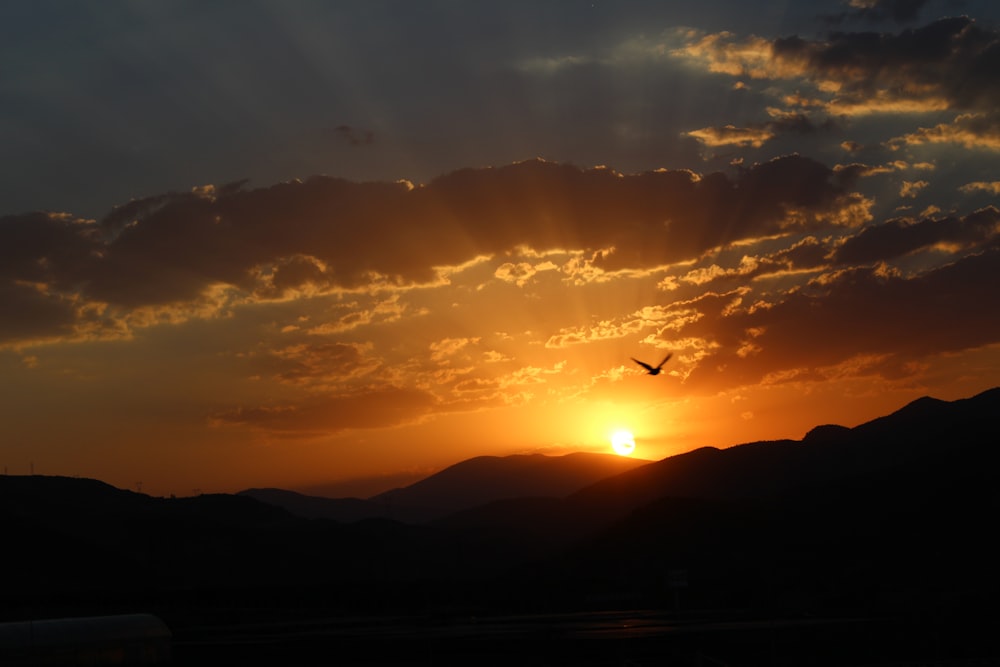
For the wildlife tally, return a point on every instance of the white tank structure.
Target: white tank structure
(130, 639)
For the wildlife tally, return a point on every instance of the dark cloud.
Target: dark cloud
(365, 408)
(756, 134)
(902, 236)
(649, 219)
(900, 11)
(30, 313)
(975, 131)
(954, 59)
(799, 123)
(128, 213)
(324, 232)
(42, 256)
(806, 255)
(317, 363)
(45, 247)
(853, 314)
(295, 272)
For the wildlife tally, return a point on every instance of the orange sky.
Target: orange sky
(821, 247)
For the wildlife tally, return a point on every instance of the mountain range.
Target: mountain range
(894, 514)
(462, 486)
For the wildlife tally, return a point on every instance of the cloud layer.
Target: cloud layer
(774, 273)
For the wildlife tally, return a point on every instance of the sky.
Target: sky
(344, 245)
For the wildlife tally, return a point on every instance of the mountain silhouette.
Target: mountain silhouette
(464, 485)
(922, 450)
(926, 427)
(893, 516)
(485, 479)
(346, 510)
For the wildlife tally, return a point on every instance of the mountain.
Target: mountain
(467, 484)
(925, 453)
(894, 515)
(924, 428)
(346, 510)
(485, 479)
(905, 536)
(84, 546)
(361, 487)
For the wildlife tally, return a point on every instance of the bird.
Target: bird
(653, 370)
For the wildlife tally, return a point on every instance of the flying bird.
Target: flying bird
(653, 370)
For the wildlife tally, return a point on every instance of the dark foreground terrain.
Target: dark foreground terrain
(861, 546)
(635, 638)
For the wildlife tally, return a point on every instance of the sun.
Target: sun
(623, 442)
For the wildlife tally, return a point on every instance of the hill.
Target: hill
(346, 510)
(929, 455)
(485, 479)
(465, 485)
(889, 516)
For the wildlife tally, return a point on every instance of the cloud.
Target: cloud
(910, 189)
(448, 347)
(947, 64)
(806, 254)
(872, 312)
(602, 330)
(292, 276)
(900, 11)
(46, 247)
(184, 255)
(729, 135)
(31, 313)
(748, 267)
(521, 273)
(859, 170)
(471, 388)
(902, 236)
(318, 365)
(40, 254)
(991, 187)
(367, 408)
(355, 315)
(757, 134)
(726, 53)
(976, 131)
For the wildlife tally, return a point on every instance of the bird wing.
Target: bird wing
(665, 360)
(644, 365)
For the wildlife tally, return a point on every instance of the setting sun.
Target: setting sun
(623, 442)
(365, 302)
(365, 346)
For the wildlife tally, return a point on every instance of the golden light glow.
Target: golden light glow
(623, 442)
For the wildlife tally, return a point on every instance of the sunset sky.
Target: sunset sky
(294, 243)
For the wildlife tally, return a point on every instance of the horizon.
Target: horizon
(292, 246)
(378, 484)
(863, 544)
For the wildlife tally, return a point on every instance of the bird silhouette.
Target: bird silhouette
(653, 370)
